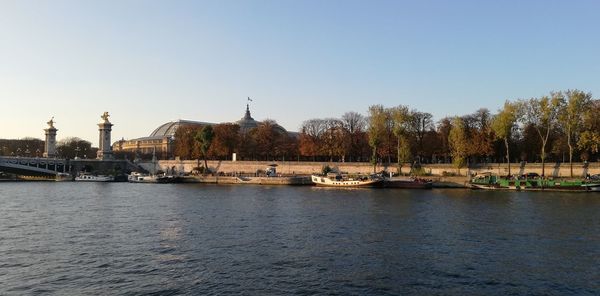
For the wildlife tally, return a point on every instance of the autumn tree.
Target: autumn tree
(542, 114)
(376, 131)
(333, 138)
(443, 132)
(310, 137)
(589, 139)
(354, 126)
(185, 144)
(503, 125)
(401, 119)
(571, 118)
(267, 137)
(478, 129)
(226, 140)
(204, 138)
(457, 139)
(420, 124)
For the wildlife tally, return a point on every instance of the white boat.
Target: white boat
(135, 177)
(60, 177)
(337, 180)
(87, 177)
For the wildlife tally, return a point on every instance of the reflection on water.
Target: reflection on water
(71, 238)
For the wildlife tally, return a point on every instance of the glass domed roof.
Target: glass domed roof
(168, 129)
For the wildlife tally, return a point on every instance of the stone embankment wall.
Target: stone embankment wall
(305, 168)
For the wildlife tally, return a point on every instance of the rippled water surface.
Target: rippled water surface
(132, 239)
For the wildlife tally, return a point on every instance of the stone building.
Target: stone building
(162, 140)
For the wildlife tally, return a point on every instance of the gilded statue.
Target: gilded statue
(51, 122)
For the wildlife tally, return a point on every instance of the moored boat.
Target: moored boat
(490, 181)
(338, 180)
(61, 177)
(87, 177)
(135, 177)
(407, 182)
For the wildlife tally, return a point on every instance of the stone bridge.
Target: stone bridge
(37, 166)
(34, 166)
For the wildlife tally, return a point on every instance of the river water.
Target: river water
(170, 239)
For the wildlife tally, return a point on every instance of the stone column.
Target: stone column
(50, 143)
(105, 147)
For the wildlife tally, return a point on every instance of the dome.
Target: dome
(247, 122)
(168, 129)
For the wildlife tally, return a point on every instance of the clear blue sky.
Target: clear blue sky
(149, 62)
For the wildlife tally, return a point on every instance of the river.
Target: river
(68, 238)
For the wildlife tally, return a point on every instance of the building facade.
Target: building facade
(162, 140)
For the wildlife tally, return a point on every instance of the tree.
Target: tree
(185, 141)
(204, 139)
(503, 125)
(571, 118)
(268, 138)
(401, 119)
(421, 123)
(458, 143)
(479, 133)
(377, 131)
(332, 139)
(443, 132)
(589, 139)
(354, 126)
(226, 140)
(310, 137)
(73, 147)
(543, 115)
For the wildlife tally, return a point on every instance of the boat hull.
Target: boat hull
(328, 182)
(407, 184)
(94, 178)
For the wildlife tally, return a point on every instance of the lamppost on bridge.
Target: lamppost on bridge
(76, 152)
(19, 152)
(37, 153)
(3, 150)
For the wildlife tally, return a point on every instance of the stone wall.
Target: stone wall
(305, 168)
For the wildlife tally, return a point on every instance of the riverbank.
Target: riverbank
(295, 180)
(294, 168)
(438, 182)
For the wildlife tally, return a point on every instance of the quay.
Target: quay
(294, 180)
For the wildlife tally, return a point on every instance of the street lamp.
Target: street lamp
(19, 152)
(76, 151)
(37, 152)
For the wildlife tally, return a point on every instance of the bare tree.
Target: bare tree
(542, 114)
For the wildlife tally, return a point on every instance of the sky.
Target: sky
(149, 62)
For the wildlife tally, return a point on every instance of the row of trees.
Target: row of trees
(561, 126)
(32, 147)
(265, 142)
(557, 123)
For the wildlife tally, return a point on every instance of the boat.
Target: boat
(489, 181)
(407, 182)
(87, 177)
(61, 177)
(136, 177)
(338, 180)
